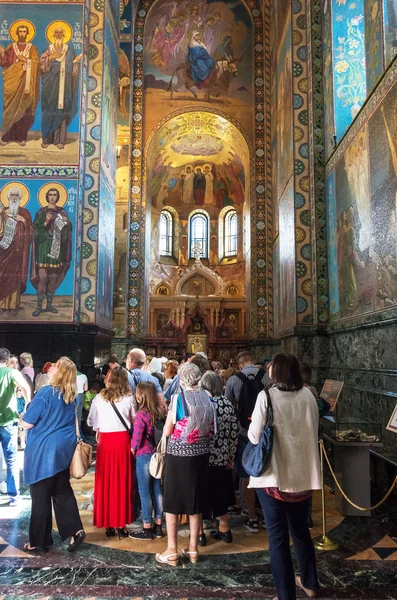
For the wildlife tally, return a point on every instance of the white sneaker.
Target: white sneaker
(3, 487)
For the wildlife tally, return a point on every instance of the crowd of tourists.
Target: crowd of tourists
(203, 416)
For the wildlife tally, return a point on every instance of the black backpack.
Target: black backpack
(252, 386)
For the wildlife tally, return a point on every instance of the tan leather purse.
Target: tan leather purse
(82, 457)
(157, 462)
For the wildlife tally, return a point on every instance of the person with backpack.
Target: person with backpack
(242, 390)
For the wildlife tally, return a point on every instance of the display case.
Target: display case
(352, 430)
(350, 440)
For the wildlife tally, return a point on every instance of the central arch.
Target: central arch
(259, 127)
(197, 139)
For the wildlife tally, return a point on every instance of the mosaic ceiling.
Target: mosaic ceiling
(197, 136)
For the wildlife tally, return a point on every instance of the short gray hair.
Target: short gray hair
(212, 383)
(189, 375)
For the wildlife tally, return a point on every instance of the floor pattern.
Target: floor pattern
(364, 566)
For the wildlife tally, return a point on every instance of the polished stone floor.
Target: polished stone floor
(365, 566)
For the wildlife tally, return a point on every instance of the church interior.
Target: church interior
(244, 202)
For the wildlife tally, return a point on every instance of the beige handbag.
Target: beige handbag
(82, 457)
(156, 465)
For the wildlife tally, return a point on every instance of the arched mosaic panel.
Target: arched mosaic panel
(259, 226)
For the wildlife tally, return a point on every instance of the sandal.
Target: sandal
(34, 549)
(78, 539)
(309, 593)
(190, 555)
(171, 560)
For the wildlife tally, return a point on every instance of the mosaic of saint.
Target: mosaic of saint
(39, 87)
(199, 52)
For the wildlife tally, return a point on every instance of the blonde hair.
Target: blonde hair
(117, 385)
(26, 359)
(147, 398)
(65, 379)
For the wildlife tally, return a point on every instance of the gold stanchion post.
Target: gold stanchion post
(324, 543)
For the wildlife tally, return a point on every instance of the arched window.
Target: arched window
(230, 233)
(166, 233)
(199, 234)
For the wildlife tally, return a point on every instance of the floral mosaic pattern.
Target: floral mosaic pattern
(317, 132)
(137, 285)
(348, 45)
(304, 300)
(90, 175)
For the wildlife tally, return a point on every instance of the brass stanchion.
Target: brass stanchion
(324, 543)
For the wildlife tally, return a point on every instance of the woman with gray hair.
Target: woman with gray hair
(222, 451)
(189, 425)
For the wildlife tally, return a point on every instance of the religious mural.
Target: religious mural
(198, 53)
(106, 228)
(39, 83)
(197, 163)
(328, 100)
(374, 55)
(390, 29)
(362, 230)
(37, 232)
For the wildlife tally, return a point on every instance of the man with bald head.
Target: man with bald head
(16, 232)
(59, 68)
(136, 359)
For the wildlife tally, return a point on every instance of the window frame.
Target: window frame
(230, 238)
(168, 252)
(205, 239)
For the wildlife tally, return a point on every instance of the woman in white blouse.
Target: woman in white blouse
(287, 484)
(114, 479)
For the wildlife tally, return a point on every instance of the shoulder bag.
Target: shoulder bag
(256, 457)
(116, 410)
(156, 465)
(82, 456)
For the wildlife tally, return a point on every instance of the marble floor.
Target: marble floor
(365, 565)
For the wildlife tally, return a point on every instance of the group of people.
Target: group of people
(204, 416)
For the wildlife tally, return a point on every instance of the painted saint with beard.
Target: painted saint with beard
(20, 62)
(16, 232)
(59, 68)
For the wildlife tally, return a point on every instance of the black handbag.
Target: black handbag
(256, 457)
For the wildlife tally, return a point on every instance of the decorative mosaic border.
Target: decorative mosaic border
(385, 84)
(83, 127)
(263, 253)
(317, 174)
(40, 172)
(303, 246)
(137, 285)
(90, 183)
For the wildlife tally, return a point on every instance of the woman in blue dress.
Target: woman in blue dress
(202, 64)
(51, 442)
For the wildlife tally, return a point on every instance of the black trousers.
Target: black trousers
(58, 489)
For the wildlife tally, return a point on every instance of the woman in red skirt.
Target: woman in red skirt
(111, 415)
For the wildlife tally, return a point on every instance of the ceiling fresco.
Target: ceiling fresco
(196, 136)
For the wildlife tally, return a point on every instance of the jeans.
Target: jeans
(149, 488)
(282, 519)
(9, 442)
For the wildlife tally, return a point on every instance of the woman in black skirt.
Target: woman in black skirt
(189, 424)
(222, 451)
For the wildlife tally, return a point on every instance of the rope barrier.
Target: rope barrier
(394, 484)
